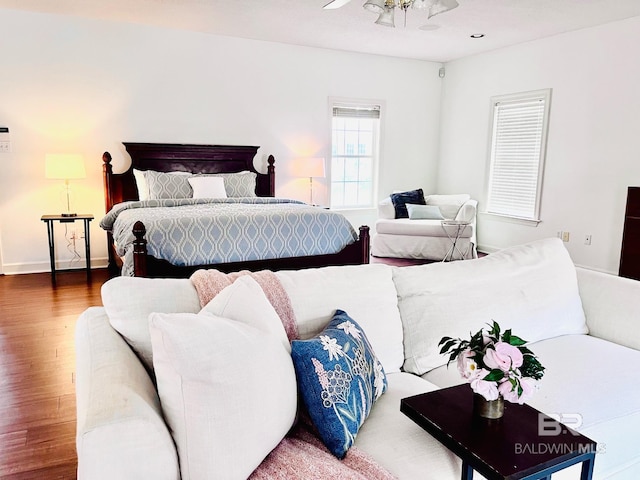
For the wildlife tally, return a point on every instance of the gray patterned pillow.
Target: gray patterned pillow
(241, 184)
(167, 185)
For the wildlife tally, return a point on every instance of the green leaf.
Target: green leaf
(516, 341)
(443, 340)
(447, 346)
(494, 375)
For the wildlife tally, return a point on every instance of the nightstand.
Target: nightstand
(49, 220)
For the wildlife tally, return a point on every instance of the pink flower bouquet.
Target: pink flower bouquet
(495, 364)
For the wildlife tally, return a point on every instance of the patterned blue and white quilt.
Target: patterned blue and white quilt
(188, 232)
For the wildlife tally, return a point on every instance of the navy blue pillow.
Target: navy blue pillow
(339, 378)
(400, 200)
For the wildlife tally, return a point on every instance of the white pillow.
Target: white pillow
(141, 184)
(227, 390)
(366, 292)
(207, 187)
(129, 301)
(531, 289)
(245, 301)
(424, 212)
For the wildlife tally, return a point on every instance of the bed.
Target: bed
(136, 248)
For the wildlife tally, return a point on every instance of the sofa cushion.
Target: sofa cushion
(448, 204)
(367, 292)
(339, 378)
(418, 228)
(227, 389)
(582, 374)
(129, 301)
(531, 289)
(400, 200)
(397, 443)
(424, 212)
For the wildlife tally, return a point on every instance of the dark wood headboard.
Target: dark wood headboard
(169, 157)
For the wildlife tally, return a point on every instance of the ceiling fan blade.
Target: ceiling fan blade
(335, 4)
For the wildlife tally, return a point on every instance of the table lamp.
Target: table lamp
(309, 167)
(65, 167)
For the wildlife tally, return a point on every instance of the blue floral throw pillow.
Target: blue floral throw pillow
(339, 378)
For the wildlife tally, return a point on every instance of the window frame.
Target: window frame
(376, 148)
(545, 96)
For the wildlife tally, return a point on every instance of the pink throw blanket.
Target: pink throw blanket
(301, 455)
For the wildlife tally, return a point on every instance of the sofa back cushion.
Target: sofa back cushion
(129, 301)
(531, 289)
(448, 204)
(367, 292)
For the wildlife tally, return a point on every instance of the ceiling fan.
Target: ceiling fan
(385, 8)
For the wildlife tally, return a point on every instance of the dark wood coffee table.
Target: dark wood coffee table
(523, 444)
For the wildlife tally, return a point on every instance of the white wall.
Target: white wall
(83, 86)
(593, 149)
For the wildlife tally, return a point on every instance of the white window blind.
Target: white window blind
(354, 155)
(517, 154)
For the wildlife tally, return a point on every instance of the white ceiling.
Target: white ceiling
(351, 28)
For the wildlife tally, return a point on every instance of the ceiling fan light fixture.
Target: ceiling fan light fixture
(422, 4)
(386, 18)
(375, 6)
(385, 8)
(441, 6)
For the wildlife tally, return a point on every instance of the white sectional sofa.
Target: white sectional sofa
(581, 324)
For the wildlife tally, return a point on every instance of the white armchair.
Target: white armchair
(427, 235)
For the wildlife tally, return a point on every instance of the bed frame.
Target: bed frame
(164, 157)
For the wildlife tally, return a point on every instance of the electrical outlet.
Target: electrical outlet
(5, 147)
(565, 236)
(587, 239)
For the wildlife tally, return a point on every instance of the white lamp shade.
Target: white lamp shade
(64, 166)
(309, 167)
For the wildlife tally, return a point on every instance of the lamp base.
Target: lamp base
(69, 215)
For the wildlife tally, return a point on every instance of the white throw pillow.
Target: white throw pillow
(531, 289)
(227, 390)
(367, 292)
(207, 187)
(245, 301)
(424, 212)
(141, 184)
(129, 301)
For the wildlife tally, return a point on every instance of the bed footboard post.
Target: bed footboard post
(107, 171)
(364, 243)
(139, 250)
(271, 171)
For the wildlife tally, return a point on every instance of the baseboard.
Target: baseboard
(45, 267)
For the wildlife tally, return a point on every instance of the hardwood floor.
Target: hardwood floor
(37, 372)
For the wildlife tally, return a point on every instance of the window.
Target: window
(518, 144)
(354, 154)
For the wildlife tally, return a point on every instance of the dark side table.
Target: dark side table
(49, 220)
(523, 444)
